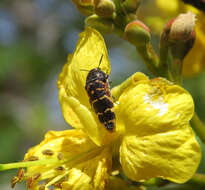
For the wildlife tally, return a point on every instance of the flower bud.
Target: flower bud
(86, 7)
(137, 33)
(176, 41)
(104, 8)
(182, 27)
(178, 35)
(100, 24)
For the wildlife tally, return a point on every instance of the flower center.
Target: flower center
(51, 169)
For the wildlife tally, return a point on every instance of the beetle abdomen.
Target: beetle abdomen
(100, 97)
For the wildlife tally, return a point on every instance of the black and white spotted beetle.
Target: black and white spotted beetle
(98, 90)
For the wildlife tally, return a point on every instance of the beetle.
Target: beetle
(98, 90)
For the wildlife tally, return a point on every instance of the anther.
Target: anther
(41, 187)
(60, 156)
(47, 152)
(60, 168)
(30, 182)
(14, 180)
(32, 158)
(58, 185)
(20, 174)
(36, 176)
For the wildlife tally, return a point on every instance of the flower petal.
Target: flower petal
(68, 142)
(153, 115)
(80, 164)
(172, 155)
(74, 100)
(153, 106)
(118, 90)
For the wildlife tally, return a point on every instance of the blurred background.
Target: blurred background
(35, 39)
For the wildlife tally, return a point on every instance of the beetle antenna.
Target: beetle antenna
(100, 61)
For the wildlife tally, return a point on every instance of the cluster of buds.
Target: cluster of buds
(108, 16)
(177, 39)
(120, 17)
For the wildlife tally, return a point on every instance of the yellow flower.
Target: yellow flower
(152, 136)
(157, 13)
(152, 116)
(72, 161)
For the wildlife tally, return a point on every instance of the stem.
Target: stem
(198, 127)
(197, 179)
(156, 182)
(150, 57)
(163, 55)
(177, 71)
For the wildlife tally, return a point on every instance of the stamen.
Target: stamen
(14, 180)
(48, 171)
(20, 174)
(32, 179)
(36, 176)
(60, 156)
(47, 152)
(48, 174)
(57, 178)
(58, 185)
(41, 187)
(30, 182)
(60, 168)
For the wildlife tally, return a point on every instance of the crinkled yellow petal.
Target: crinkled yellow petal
(74, 100)
(78, 162)
(154, 106)
(172, 155)
(153, 115)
